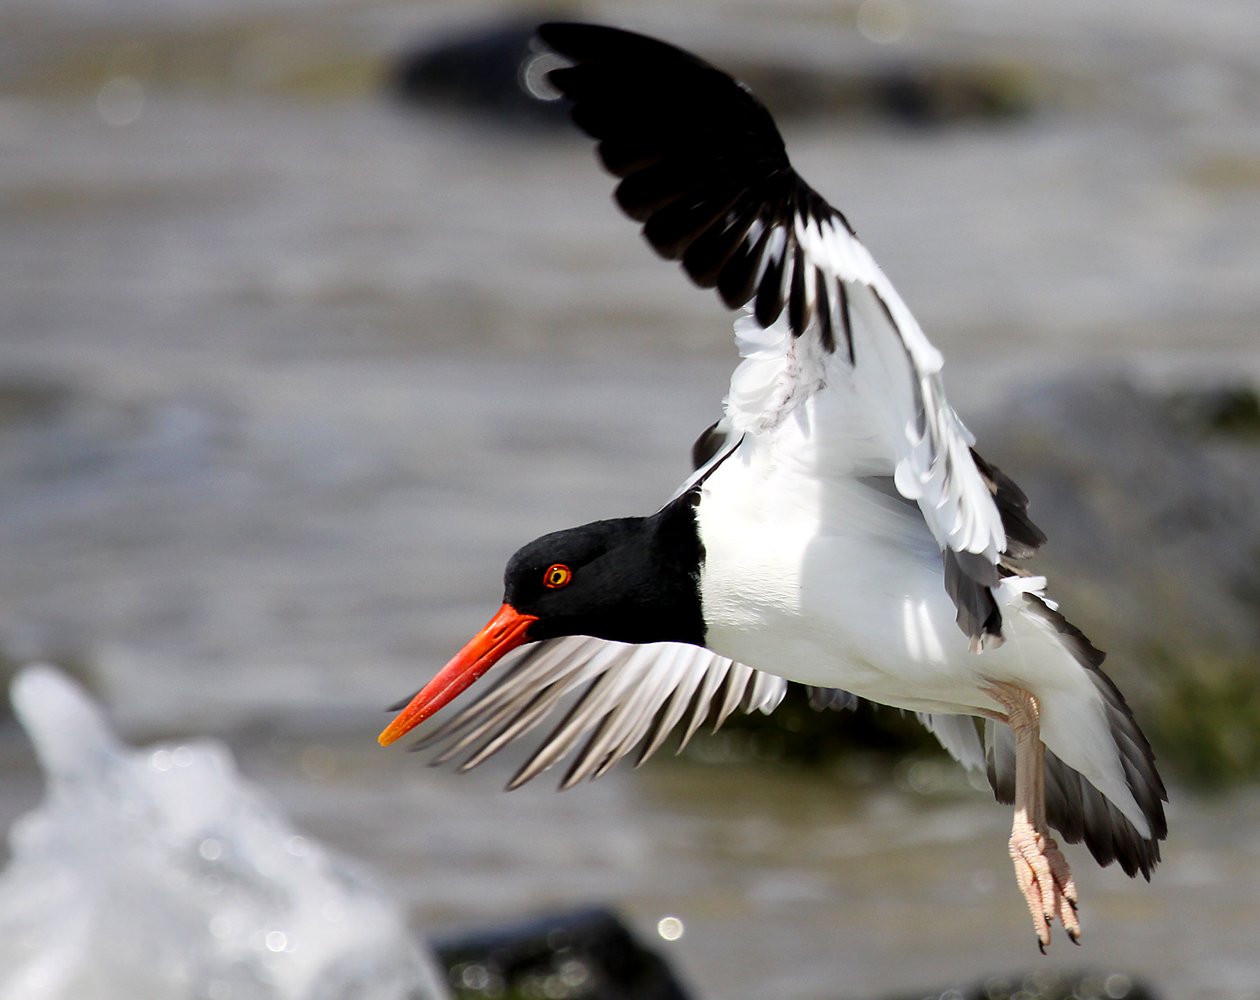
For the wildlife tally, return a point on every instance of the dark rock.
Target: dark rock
(944, 94)
(24, 401)
(1232, 410)
(496, 70)
(580, 955)
(915, 93)
(1154, 551)
(805, 731)
(1046, 984)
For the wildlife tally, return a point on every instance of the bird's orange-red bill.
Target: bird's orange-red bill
(502, 634)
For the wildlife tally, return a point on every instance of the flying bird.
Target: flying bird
(839, 531)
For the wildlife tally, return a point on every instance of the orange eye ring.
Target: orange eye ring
(557, 575)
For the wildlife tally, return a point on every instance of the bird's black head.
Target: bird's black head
(633, 579)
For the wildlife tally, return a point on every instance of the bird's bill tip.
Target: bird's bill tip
(502, 634)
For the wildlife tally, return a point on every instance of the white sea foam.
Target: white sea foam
(160, 872)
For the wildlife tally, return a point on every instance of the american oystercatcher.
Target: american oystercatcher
(839, 531)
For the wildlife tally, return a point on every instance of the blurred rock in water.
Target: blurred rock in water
(1154, 549)
(160, 872)
(1048, 984)
(1226, 410)
(497, 69)
(582, 955)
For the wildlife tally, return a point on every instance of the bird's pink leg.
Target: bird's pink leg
(1040, 868)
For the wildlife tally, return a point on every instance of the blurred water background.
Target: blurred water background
(287, 369)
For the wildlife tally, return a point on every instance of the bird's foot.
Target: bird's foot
(1046, 882)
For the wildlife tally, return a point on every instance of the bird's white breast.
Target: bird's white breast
(829, 581)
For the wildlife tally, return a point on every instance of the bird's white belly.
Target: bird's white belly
(857, 602)
(887, 643)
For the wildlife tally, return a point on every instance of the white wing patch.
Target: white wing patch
(895, 371)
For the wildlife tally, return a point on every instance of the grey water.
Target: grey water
(287, 371)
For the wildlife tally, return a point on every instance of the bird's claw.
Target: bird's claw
(1046, 883)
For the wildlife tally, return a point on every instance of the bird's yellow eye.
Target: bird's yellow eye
(558, 575)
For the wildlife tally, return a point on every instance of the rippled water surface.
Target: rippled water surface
(286, 371)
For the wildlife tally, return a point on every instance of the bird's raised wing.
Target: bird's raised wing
(704, 169)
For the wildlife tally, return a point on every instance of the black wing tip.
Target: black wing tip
(564, 36)
(701, 161)
(587, 41)
(567, 38)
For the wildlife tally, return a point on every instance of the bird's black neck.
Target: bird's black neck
(677, 550)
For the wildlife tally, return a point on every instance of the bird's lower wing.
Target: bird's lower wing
(631, 696)
(622, 698)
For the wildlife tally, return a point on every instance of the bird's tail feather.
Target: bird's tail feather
(1074, 805)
